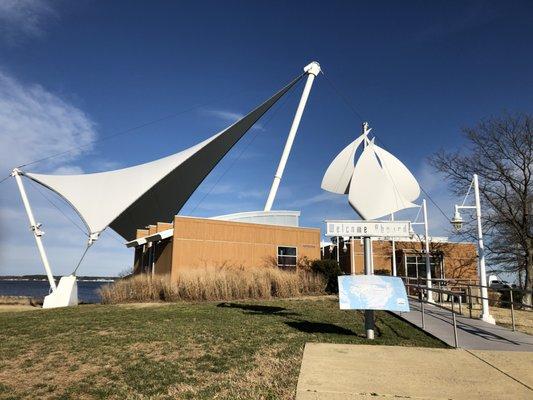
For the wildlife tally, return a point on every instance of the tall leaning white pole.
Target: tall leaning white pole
(312, 70)
(485, 314)
(37, 233)
(428, 260)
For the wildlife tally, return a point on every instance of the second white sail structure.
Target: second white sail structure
(377, 185)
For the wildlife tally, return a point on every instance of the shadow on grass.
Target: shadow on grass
(254, 308)
(319, 327)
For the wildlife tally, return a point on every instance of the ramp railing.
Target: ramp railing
(465, 291)
(420, 290)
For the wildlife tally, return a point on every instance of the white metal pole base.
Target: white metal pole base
(488, 318)
(65, 295)
(369, 324)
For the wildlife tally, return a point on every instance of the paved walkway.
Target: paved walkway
(472, 333)
(342, 372)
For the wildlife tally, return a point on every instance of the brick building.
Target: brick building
(448, 259)
(201, 242)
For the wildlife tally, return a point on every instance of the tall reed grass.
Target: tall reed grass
(225, 283)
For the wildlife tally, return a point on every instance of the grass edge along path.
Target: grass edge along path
(210, 350)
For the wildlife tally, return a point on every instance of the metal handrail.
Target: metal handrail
(458, 282)
(422, 311)
(510, 290)
(469, 295)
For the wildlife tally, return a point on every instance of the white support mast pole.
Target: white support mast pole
(37, 233)
(428, 261)
(394, 271)
(352, 256)
(485, 313)
(338, 251)
(312, 71)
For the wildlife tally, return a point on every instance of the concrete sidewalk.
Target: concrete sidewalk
(473, 334)
(342, 372)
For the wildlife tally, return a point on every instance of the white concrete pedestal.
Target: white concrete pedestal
(65, 295)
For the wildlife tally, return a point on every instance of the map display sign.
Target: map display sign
(399, 229)
(372, 292)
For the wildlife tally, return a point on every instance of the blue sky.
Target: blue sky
(75, 72)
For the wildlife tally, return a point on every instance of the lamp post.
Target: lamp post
(429, 283)
(457, 222)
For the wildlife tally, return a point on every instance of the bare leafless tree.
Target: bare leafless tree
(500, 151)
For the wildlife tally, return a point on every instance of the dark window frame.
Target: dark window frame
(418, 265)
(286, 257)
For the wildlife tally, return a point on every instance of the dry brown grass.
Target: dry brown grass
(15, 308)
(523, 318)
(16, 300)
(39, 365)
(212, 284)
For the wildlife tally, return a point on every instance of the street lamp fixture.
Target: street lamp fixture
(457, 220)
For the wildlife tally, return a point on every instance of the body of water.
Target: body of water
(87, 291)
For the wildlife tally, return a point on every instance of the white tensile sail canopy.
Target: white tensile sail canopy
(134, 197)
(377, 185)
(339, 173)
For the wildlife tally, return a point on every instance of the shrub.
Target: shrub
(505, 298)
(330, 270)
(494, 298)
(382, 272)
(225, 283)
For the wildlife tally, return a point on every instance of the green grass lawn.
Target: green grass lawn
(238, 350)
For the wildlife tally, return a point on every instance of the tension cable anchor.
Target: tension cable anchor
(36, 229)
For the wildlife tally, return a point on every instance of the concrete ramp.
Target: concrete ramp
(342, 372)
(472, 333)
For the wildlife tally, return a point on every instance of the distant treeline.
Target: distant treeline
(44, 278)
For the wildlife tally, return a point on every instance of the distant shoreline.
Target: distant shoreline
(37, 287)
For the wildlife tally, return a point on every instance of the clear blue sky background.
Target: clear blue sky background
(418, 71)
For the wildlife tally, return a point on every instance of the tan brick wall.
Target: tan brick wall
(163, 257)
(204, 242)
(141, 233)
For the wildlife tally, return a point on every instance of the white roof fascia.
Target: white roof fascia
(151, 238)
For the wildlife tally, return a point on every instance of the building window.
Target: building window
(287, 257)
(416, 266)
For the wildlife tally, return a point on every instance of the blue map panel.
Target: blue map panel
(372, 292)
